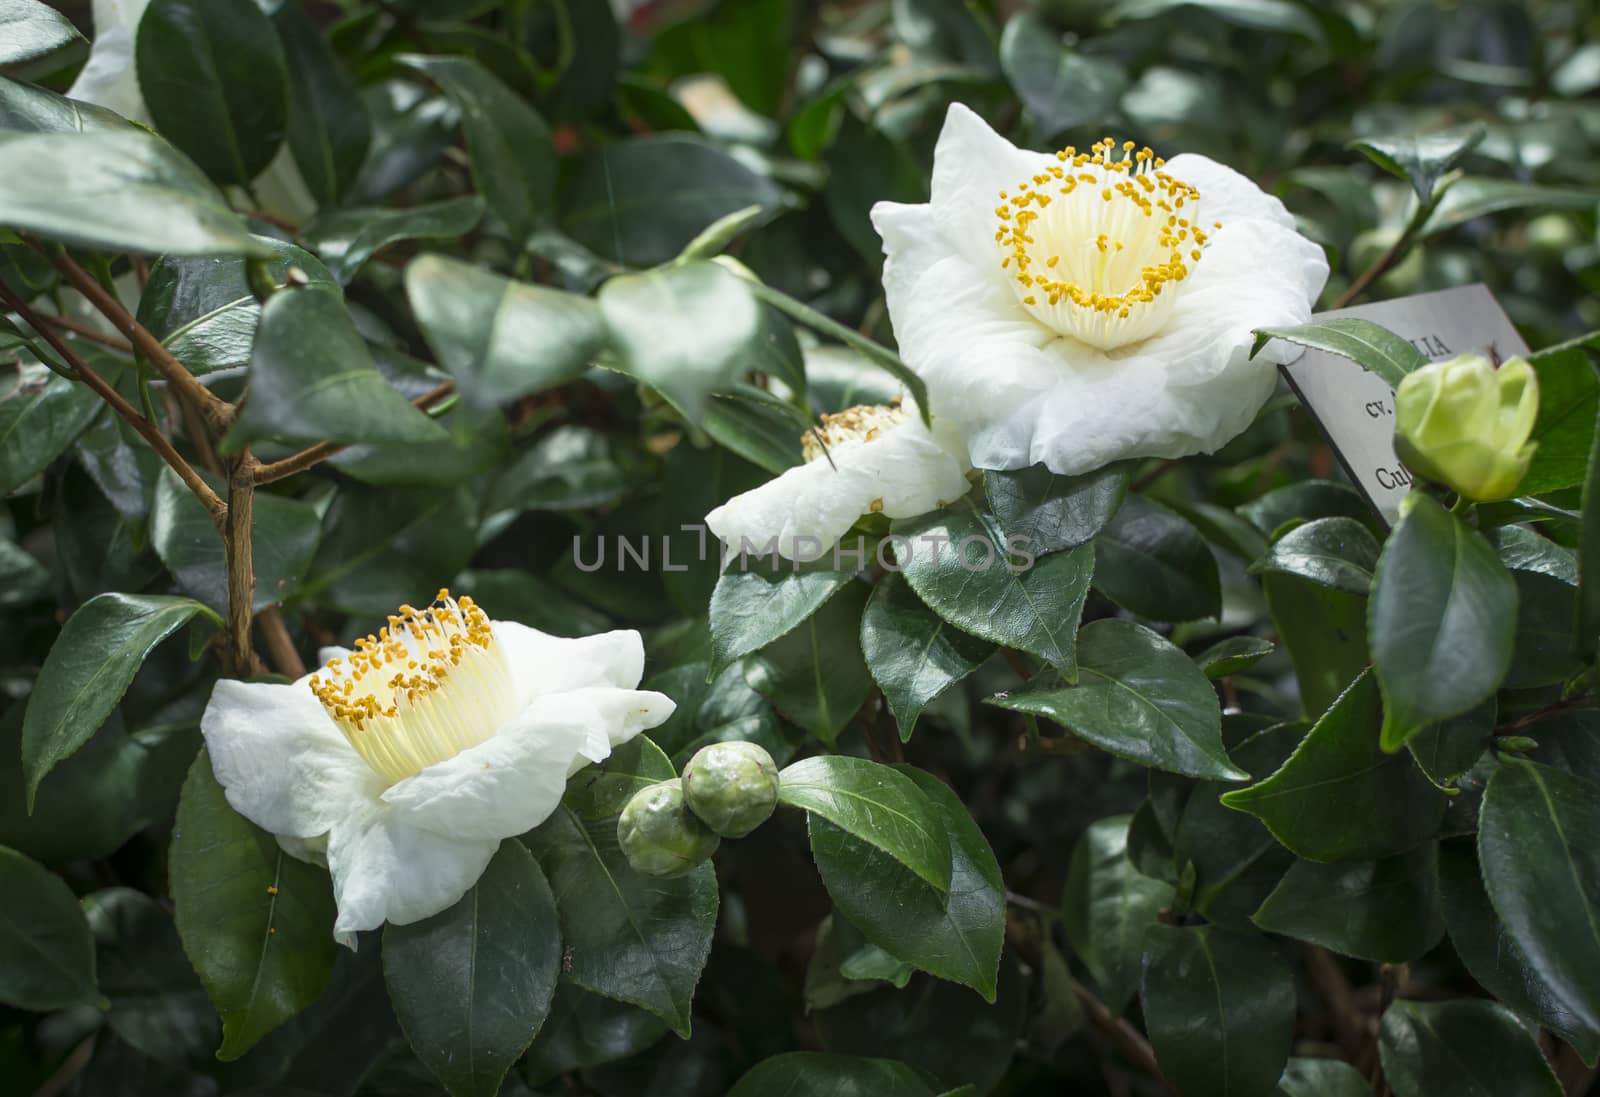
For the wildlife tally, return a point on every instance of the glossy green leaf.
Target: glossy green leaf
(329, 129)
(723, 709)
(29, 108)
(1230, 656)
(1062, 87)
(312, 379)
(758, 426)
(1544, 650)
(89, 668)
(283, 535)
(256, 923)
(569, 468)
(22, 578)
(1138, 697)
(640, 201)
(49, 953)
(601, 790)
(213, 77)
(879, 805)
(508, 144)
(955, 936)
(587, 1030)
(41, 413)
(1495, 957)
(1448, 749)
(347, 238)
(1108, 906)
(1219, 1008)
(913, 653)
(1421, 159)
(1049, 512)
(1325, 632)
(1474, 197)
(1305, 500)
(472, 984)
(29, 29)
(687, 331)
(1277, 16)
(1441, 620)
(1322, 1078)
(1471, 1048)
(813, 1074)
(638, 939)
(815, 675)
(1369, 346)
(1588, 627)
(755, 604)
(1569, 398)
(1337, 553)
(1339, 796)
(1543, 876)
(1386, 911)
(956, 561)
(1150, 560)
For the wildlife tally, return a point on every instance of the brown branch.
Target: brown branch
(315, 455)
(217, 411)
(1348, 1023)
(78, 327)
(147, 430)
(1380, 266)
(1153, 475)
(280, 647)
(236, 539)
(1127, 1038)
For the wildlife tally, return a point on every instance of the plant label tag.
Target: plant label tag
(1355, 408)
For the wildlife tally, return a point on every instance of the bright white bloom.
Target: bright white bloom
(405, 762)
(1079, 308)
(869, 460)
(108, 79)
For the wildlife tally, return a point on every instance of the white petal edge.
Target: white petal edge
(109, 78)
(541, 663)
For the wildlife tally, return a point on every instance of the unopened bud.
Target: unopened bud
(732, 787)
(658, 834)
(1465, 424)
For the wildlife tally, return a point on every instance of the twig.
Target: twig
(1125, 1036)
(141, 270)
(236, 541)
(147, 430)
(1153, 475)
(1348, 1024)
(1583, 698)
(273, 219)
(315, 455)
(78, 327)
(69, 1069)
(279, 644)
(217, 411)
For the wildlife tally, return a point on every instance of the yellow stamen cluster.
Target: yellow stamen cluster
(429, 685)
(1100, 232)
(862, 423)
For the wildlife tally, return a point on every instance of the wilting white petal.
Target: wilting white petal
(109, 78)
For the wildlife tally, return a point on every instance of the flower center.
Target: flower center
(862, 423)
(1095, 244)
(432, 683)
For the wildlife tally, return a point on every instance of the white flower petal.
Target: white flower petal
(972, 164)
(109, 79)
(386, 869)
(1226, 195)
(541, 663)
(281, 761)
(626, 712)
(904, 472)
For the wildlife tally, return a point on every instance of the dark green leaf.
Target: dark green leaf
(1325, 632)
(570, 468)
(89, 668)
(22, 578)
(1543, 876)
(1220, 1010)
(1322, 1078)
(508, 144)
(956, 562)
(816, 675)
(602, 790)
(1470, 1048)
(1446, 750)
(722, 710)
(49, 954)
(29, 108)
(914, 654)
(1441, 621)
(1474, 197)
(753, 606)
(1232, 655)
(329, 128)
(1151, 561)
(1421, 159)
(382, 548)
(256, 923)
(1338, 553)
(758, 426)
(1107, 907)
(879, 805)
(1061, 86)
(347, 238)
(29, 29)
(1339, 796)
(585, 1030)
(813, 1074)
(1569, 396)
(1305, 500)
(1139, 698)
(1544, 649)
(312, 379)
(640, 201)
(1366, 344)
(472, 984)
(1589, 557)
(1386, 911)
(638, 939)
(1049, 512)
(213, 77)
(687, 331)
(956, 937)
(40, 414)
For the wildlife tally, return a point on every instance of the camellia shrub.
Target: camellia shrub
(672, 548)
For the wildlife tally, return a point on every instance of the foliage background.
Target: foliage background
(558, 143)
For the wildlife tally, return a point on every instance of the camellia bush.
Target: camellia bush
(766, 547)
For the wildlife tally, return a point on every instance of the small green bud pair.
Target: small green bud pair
(727, 790)
(1465, 424)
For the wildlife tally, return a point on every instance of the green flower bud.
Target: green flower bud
(660, 837)
(1465, 424)
(733, 787)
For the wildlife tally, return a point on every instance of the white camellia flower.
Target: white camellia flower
(1078, 308)
(868, 460)
(403, 764)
